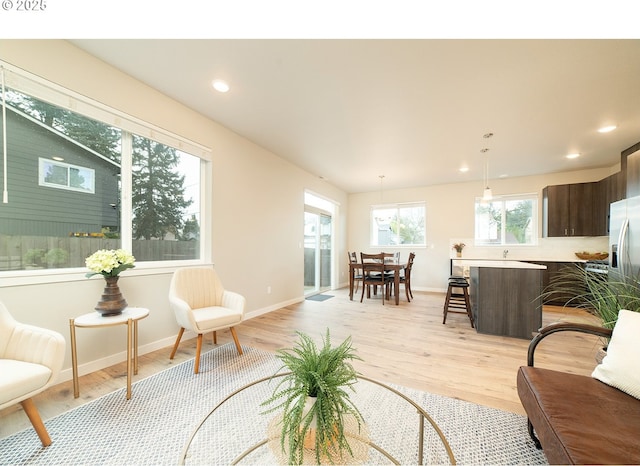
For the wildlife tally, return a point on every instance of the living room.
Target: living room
(250, 179)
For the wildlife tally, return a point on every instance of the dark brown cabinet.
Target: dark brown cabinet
(610, 189)
(506, 301)
(570, 210)
(633, 174)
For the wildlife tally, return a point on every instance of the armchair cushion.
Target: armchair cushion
(210, 318)
(19, 380)
(620, 368)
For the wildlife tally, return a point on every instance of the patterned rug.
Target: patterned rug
(154, 426)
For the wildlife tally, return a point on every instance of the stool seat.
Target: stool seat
(457, 302)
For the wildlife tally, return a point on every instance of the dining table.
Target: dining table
(389, 266)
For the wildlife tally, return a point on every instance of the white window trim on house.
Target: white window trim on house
(45, 164)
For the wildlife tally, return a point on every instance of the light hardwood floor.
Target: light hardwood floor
(405, 344)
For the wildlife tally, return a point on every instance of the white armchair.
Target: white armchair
(30, 360)
(202, 305)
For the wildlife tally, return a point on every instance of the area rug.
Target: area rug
(319, 297)
(153, 427)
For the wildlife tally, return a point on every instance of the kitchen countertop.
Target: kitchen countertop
(519, 259)
(503, 264)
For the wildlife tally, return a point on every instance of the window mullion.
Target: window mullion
(503, 226)
(126, 182)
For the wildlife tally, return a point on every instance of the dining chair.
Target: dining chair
(405, 277)
(373, 275)
(357, 272)
(391, 257)
(202, 305)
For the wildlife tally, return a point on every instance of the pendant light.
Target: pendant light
(381, 192)
(487, 195)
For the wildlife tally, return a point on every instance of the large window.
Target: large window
(507, 220)
(398, 225)
(76, 184)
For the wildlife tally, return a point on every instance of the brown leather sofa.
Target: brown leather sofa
(577, 419)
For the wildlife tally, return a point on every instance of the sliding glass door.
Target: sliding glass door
(317, 250)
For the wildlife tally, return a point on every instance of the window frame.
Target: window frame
(535, 219)
(44, 163)
(398, 206)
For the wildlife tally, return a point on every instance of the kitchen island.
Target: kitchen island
(505, 297)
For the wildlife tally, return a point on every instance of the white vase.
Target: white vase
(310, 435)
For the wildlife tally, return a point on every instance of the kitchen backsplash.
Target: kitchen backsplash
(551, 249)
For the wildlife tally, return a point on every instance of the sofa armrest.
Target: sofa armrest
(564, 327)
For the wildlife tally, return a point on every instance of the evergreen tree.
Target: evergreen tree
(191, 230)
(158, 191)
(100, 137)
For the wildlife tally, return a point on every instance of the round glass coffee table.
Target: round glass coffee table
(396, 431)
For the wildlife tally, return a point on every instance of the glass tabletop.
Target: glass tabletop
(396, 431)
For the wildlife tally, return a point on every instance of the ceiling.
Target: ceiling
(414, 111)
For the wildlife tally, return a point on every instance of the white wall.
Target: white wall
(258, 214)
(450, 218)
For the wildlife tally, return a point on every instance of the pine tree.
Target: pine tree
(100, 137)
(158, 191)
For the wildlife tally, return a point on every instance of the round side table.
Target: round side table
(130, 316)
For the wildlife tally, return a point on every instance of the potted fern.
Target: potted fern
(314, 398)
(600, 296)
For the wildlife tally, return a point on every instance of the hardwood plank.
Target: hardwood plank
(405, 345)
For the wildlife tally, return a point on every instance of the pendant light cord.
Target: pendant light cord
(5, 192)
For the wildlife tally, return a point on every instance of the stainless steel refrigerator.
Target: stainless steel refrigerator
(624, 238)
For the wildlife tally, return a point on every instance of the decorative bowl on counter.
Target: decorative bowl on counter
(592, 256)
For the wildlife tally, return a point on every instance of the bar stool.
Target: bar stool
(459, 299)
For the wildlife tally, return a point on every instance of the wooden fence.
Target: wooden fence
(29, 252)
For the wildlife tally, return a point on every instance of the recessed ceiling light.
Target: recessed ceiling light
(220, 85)
(573, 156)
(607, 129)
(464, 169)
(504, 175)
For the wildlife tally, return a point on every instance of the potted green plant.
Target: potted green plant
(314, 398)
(601, 296)
(458, 247)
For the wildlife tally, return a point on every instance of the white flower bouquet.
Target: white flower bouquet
(109, 262)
